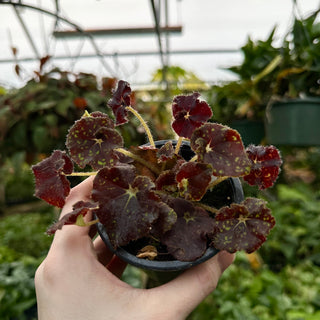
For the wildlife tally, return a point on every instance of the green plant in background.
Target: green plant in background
(297, 237)
(248, 96)
(245, 294)
(179, 80)
(25, 233)
(299, 72)
(23, 244)
(17, 293)
(268, 71)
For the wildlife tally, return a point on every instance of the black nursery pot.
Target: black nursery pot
(227, 192)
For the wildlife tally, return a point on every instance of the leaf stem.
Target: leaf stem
(178, 145)
(194, 158)
(138, 159)
(217, 181)
(82, 174)
(144, 124)
(207, 208)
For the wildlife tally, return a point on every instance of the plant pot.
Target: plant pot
(252, 132)
(225, 193)
(294, 122)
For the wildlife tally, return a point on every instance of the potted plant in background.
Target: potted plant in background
(242, 103)
(152, 202)
(277, 94)
(294, 109)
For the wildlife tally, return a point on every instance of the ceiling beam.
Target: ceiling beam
(117, 31)
(128, 54)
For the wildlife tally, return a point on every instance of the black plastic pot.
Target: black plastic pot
(227, 192)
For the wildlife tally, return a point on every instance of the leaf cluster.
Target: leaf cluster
(154, 193)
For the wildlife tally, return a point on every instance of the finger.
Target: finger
(71, 233)
(80, 192)
(186, 291)
(117, 266)
(104, 254)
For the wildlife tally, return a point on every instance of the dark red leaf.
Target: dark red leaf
(91, 141)
(51, 182)
(242, 226)
(187, 239)
(266, 162)
(221, 147)
(189, 113)
(193, 179)
(79, 208)
(119, 101)
(127, 204)
(167, 181)
(166, 152)
(149, 155)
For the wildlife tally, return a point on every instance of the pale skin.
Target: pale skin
(79, 279)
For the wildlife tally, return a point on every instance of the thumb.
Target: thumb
(186, 291)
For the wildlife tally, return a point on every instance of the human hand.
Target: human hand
(79, 279)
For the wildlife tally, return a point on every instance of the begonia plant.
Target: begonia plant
(154, 193)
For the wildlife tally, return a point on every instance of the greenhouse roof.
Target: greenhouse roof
(131, 39)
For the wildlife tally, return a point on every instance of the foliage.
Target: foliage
(24, 233)
(178, 79)
(248, 96)
(270, 71)
(297, 236)
(16, 179)
(153, 193)
(23, 244)
(263, 295)
(17, 295)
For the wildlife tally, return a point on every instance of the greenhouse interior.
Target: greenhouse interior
(155, 76)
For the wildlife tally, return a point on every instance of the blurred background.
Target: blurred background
(257, 64)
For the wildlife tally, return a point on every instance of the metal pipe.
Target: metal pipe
(27, 33)
(132, 53)
(157, 26)
(94, 45)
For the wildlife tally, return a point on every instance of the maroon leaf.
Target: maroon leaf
(79, 208)
(166, 152)
(91, 141)
(193, 179)
(51, 182)
(266, 162)
(242, 226)
(187, 239)
(149, 155)
(221, 147)
(189, 113)
(127, 204)
(167, 181)
(119, 101)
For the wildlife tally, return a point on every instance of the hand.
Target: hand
(79, 279)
